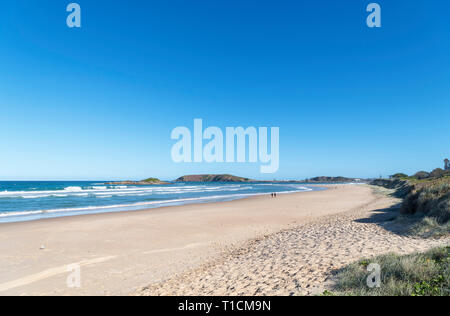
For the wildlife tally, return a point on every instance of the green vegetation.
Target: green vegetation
(424, 211)
(437, 173)
(426, 200)
(399, 176)
(421, 175)
(429, 198)
(426, 274)
(151, 180)
(331, 180)
(430, 227)
(212, 178)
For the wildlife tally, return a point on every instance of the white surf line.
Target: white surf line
(50, 273)
(194, 245)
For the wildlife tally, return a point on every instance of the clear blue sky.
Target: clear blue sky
(100, 102)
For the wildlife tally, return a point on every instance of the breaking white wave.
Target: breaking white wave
(73, 189)
(77, 191)
(100, 198)
(162, 202)
(142, 204)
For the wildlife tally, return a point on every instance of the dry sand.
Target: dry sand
(260, 245)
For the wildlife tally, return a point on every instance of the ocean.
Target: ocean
(26, 201)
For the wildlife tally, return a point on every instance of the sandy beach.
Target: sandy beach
(287, 245)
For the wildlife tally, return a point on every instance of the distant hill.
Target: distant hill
(332, 180)
(212, 178)
(149, 181)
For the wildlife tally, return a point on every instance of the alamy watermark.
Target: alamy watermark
(74, 18)
(374, 18)
(74, 278)
(190, 146)
(374, 279)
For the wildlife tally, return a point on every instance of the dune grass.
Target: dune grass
(425, 212)
(419, 274)
(429, 227)
(426, 201)
(429, 202)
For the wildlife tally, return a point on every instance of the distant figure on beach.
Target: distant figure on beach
(275, 195)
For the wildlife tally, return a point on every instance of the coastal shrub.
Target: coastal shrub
(151, 180)
(438, 172)
(409, 205)
(399, 176)
(430, 227)
(426, 274)
(431, 200)
(421, 175)
(426, 201)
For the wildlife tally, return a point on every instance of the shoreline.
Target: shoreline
(169, 208)
(115, 209)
